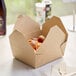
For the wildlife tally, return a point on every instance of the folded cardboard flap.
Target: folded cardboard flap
(51, 23)
(26, 25)
(51, 49)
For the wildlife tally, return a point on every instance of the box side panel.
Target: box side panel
(21, 50)
(50, 49)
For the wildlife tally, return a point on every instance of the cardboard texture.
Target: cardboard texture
(52, 48)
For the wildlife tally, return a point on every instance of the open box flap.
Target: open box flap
(21, 49)
(51, 23)
(54, 38)
(26, 25)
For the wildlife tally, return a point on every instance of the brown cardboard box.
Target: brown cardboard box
(52, 47)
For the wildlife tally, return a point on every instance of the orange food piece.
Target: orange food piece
(38, 45)
(33, 43)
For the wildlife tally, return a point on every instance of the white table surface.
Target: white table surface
(12, 67)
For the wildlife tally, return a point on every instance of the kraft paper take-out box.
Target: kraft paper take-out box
(52, 48)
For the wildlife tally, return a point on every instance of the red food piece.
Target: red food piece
(41, 38)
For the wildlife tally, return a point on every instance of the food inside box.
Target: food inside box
(36, 42)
